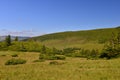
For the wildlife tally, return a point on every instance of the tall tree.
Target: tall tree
(8, 40)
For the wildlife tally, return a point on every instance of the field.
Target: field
(75, 43)
(88, 39)
(70, 69)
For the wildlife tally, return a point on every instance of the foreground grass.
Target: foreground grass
(72, 69)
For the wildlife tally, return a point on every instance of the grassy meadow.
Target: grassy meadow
(88, 39)
(69, 69)
(46, 57)
(76, 43)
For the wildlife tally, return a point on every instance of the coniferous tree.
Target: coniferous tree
(43, 49)
(112, 49)
(8, 40)
(16, 38)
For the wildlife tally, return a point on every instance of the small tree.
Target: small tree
(112, 49)
(16, 38)
(94, 53)
(43, 50)
(8, 40)
(55, 51)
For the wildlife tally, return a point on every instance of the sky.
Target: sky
(38, 17)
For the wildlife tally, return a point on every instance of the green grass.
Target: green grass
(65, 44)
(72, 69)
(85, 39)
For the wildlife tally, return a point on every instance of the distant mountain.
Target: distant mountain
(2, 38)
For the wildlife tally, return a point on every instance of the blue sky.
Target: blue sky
(37, 17)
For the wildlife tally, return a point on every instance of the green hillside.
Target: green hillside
(85, 39)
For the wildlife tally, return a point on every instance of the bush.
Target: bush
(55, 51)
(109, 53)
(15, 61)
(39, 60)
(56, 63)
(51, 57)
(14, 55)
(77, 55)
(3, 55)
(71, 52)
(56, 57)
(94, 53)
(60, 57)
(42, 56)
(68, 51)
(85, 53)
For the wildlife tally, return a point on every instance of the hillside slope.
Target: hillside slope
(85, 38)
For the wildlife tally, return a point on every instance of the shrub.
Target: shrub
(3, 55)
(70, 52)
(85, 53)
(14, 55)
(15, 61)
(77, 55)
(39, 60)
(109, 53)
(56, 63)
(51, 57)
(55, 57)
(55, 51)
(42, 56)
(94, 53)
(60, 57)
